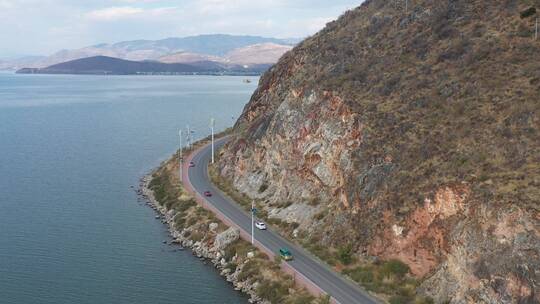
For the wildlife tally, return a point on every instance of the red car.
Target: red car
(207, 193)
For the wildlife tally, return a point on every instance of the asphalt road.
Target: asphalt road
(343, 291)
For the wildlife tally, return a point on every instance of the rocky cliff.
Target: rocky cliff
(410, 131)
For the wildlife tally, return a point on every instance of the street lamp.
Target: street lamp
(253, 212)
(212, 123)
(181, 157)
(189, 137)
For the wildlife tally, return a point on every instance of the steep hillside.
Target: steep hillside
(185, 57)
(258, 54)
(264, 53)
(411, 133)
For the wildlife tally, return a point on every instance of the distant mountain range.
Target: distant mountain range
(263, 53)
(103, 65)
(219, 48)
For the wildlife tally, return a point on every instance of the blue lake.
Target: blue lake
(71, 229)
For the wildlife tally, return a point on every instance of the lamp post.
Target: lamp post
(188, 137)
(181, 160)
(212, 123)
(536, 29)
(253, 212)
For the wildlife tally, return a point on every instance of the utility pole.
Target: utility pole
(536, 29)
(406, 5)
(181, 160)
(188, 138)
(212, 123)
(253, 210)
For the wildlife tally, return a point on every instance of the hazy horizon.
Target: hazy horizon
(53, 25)
(129, 40)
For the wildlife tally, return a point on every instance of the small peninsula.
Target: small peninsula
(103, 65)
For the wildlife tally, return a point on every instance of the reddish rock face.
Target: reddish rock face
(423, 241)
(416, 135)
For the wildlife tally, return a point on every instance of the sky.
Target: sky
(42, 27)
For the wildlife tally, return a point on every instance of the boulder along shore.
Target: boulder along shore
(202, 250)
(191, 226)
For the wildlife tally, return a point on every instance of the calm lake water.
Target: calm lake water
(71, 229)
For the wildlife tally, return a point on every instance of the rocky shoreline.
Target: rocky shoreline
(211, 252)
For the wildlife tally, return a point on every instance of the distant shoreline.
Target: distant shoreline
(136, 74)
(102, 65)
(13, 72)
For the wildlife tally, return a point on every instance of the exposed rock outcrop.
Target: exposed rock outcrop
(416, 130)
(226, 238)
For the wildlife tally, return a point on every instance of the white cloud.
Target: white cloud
(123, 12)
(5, 4)
(112, 13)
(221, 7)
(162, 11)
(310, 25)
(138, 1)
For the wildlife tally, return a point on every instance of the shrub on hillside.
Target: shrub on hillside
(345, 254)
(395, 267)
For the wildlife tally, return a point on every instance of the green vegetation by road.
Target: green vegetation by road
(250, 266)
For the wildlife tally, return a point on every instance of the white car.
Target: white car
(260, 225)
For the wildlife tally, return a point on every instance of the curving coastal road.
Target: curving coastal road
(306, 267)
